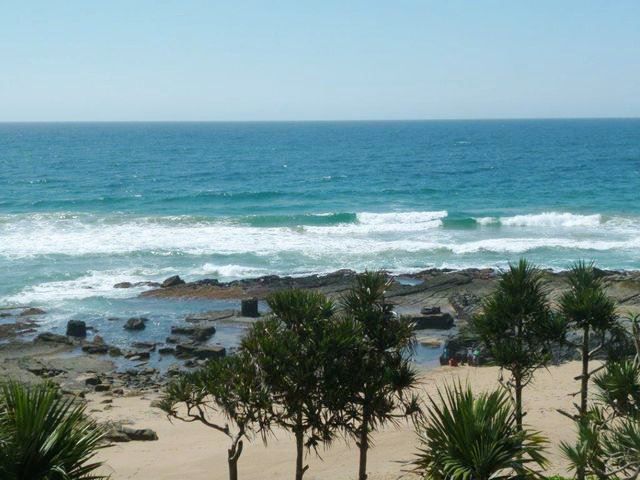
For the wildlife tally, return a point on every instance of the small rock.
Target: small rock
(115, 352)
(92, 380)
(139, 434)
(429, 310)
(166, 351)
(172, 282)
(102, 387)
(145, 345)
(94, 349)
(198, 333)
(202, 352)
(115, 435)
(136, 323)
(49, 337)
(123, 285)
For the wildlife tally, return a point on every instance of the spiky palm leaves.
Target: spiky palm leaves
(382, 377)
(301, 355)
(44, 436)
(467, 437)
(608, 445)
(517, 326)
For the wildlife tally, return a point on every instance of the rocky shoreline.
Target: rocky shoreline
(436, 299)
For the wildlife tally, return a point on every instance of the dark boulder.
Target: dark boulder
(249, 308)
(123, 285)
(76, 328)
(135, 323)
(198, 333)
(435, 321)
(172, 282)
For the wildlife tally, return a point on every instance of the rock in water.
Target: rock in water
(437, 321)
(49, 337)
(32, 311)
(249, 308)
(172, 281)
(136, 323)
(76, 328)
(203, 352)
(198, 333)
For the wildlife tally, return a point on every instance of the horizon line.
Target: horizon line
(364, 120)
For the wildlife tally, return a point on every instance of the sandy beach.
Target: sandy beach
(198, 453)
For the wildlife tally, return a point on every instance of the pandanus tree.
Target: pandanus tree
(226, 395)
(44, 436)
(382, 379)
(466, 437)
(517, 327)
(608, 445)
(300, 353)
(587, 308)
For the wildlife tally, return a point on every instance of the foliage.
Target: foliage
(44, 436)
(608, 445)
(517, 326)
(227, 388)
(301, 354)
(382, 379)
(467, 437)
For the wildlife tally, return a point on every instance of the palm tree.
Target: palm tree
(381, 376)
(230, 387)
(44, 436)
(465, 437)
(517, 327)
(608, 445)
(587, 307)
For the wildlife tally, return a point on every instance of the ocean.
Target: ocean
(86, 205)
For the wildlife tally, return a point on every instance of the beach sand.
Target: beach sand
(195, 452)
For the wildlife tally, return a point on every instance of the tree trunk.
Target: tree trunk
(518, 391)
(363, 444)
(233, 454)
(300, 469)
(584, 387)
(584, 380)
(233, 469)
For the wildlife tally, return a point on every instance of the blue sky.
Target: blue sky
(300, 60)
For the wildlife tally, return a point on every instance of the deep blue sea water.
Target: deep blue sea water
(83, 206)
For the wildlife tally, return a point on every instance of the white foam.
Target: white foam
(229, 272)
(375, 233)
(487, 220)
(552, 219)
(93, 284)
(522, 245)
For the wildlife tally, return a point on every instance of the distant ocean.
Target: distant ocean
(84, 206)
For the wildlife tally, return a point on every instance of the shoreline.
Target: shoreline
(195, 452)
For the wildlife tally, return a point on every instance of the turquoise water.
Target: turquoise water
(84, 206)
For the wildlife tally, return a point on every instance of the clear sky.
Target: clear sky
(327, 59)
